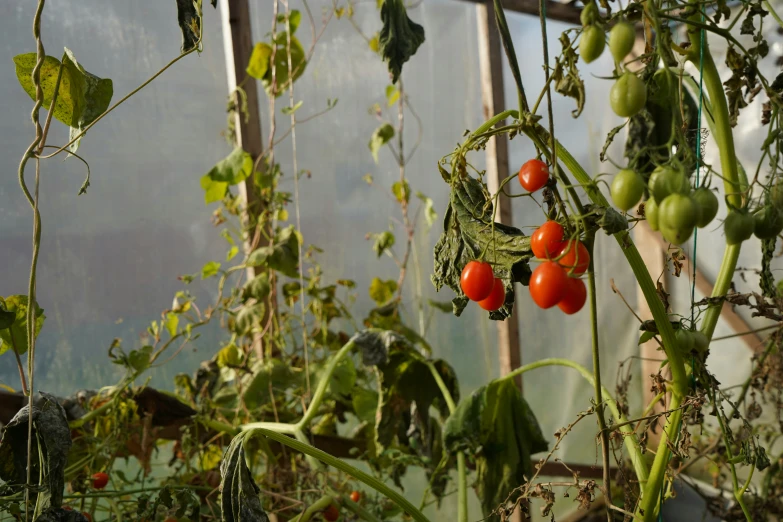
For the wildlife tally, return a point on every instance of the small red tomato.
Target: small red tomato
(355, 496)
(87, 516)
(576, 258)
(533, 175)
(575, 296)
(331, 513)
(99, 480)
(548, 284)
(476, 280)
(67, 508)
(496, 297)
(547, 241)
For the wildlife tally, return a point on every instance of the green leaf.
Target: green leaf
(365, 404)
(257, 288)
(283, 256)
(213, 190)
(429, 209)
(272, 372)
(210, 269)
(382, 291)
(259, 60)
(295, 18)
(248, 319)
(233, 169)
(392, 95)
(189, 18)
(290, 110)
(499, 428)
(15, 335)
(401, 191)
(380, 137)
(646, 336)
(343, 379)
(139, 360)
(81, 98)
(232, 253)
(383, 242)
(260, 65)
(228, 356)
(6, 318)
(172, 321)
(399, 38)
(467, 233)
(239, 495)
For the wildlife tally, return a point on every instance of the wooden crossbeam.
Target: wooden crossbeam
(560, 11)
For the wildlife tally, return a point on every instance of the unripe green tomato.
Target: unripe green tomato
(677, 216)
(685, 341)
(651, 213)
(592, 43)
(776, 195)
(708, 205)
(627, 189)
(621, 40)
(768, 223)
(628, 95)
(700, 341)
(669, 181)
(589, 14)
(738, 227)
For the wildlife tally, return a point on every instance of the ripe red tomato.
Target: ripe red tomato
(547, 241)
(331, 513)
(576, 258)
(355, 496)
(575, 296)
(477, 280)
(496, 297)
(99, 480)
(533, 175)
(548, 284)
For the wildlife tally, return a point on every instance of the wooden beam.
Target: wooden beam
(559, 11)
(491, 65)
(238, 46)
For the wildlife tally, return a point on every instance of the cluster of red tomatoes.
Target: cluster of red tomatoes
(555, 281)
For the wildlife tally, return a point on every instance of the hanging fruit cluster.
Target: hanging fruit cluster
(555, 281)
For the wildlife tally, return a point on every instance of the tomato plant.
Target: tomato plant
(548, 284)
(575, 296)
(628, 95)
(738, 227)
(548, 240)
(575, 257)
(592, 43)
(533, 175)
(100, 480)
(331, 513)
(496, 297)
(477, 280)
(627, 189)
(621, 40)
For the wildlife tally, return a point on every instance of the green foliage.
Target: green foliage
(81, 97)
(231, 170)
(283, 256)
(400, 37)
(468, 232)
(239, 494)
(380, 137)
(15, 334)
(498, 427)
(382, 291)
(261, 67)
(383, 242)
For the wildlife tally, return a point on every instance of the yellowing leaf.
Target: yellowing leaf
(382, 291)
(259, 60)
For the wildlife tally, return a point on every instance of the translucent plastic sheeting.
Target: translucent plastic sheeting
(110, 258)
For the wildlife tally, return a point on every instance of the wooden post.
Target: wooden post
(491, 65)
(238, 46)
